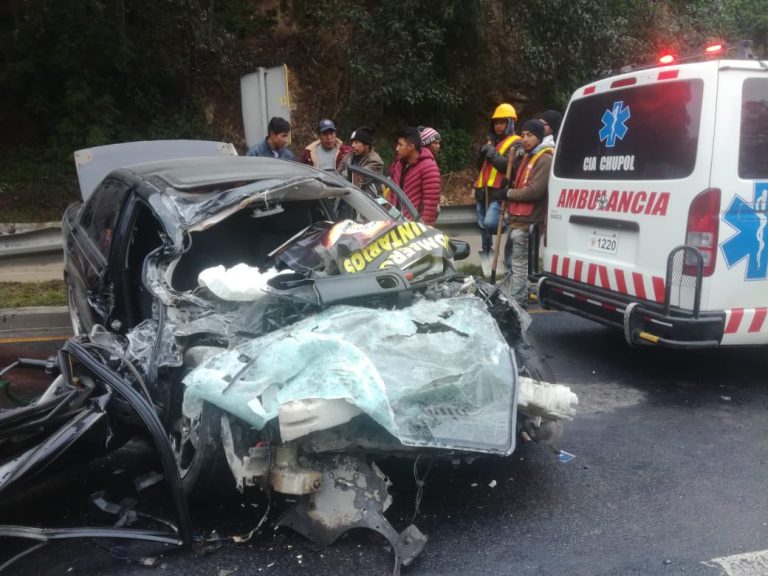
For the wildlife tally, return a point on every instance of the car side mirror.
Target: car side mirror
(460, 249)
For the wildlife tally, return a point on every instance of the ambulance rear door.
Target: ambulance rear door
(740, 172)
(633, 152)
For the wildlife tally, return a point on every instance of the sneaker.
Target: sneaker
(486, 263)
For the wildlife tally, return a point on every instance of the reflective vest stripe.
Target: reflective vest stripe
(521, 181)
(489, 176)
(526, 175)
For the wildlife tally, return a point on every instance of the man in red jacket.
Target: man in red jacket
(416, 172)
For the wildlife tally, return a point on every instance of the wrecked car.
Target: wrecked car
(288, 329)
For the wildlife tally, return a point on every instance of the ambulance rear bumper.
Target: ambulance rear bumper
(644, 323)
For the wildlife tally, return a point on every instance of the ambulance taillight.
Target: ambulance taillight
(703, 220)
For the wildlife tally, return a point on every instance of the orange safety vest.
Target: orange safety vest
(489, 176)
(521, 181)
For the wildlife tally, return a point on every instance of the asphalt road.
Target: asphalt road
(671, 455)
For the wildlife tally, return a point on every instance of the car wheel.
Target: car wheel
(200, 456)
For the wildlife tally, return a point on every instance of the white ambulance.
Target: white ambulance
(658, 205)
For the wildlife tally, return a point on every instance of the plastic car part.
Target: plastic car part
(287, 477)
(301, 417)
(352, 495)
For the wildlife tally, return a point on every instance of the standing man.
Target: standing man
(416, 172)
(552, 119)
(527, 204)
(362, 154)
(430, 139)
(275, 145)
(494, 159)
(327, 152)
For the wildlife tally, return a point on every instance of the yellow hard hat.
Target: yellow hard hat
(504, 111)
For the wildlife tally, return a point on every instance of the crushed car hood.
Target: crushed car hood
(410, 370)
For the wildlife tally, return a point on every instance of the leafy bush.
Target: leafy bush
(455, 149)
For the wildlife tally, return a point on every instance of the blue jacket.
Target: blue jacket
(263, 149)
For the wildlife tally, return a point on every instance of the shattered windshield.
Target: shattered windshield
(406, 369)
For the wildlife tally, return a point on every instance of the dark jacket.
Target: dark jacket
(264, 150)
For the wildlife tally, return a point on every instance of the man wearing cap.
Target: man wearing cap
(275, 145)
(551, 120)
(327, 152)
(526, 205)
(493, 160)
(362, 153)
(430, 139)
(416, 172)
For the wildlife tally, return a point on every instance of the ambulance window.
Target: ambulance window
(648, 132)
(753, 144)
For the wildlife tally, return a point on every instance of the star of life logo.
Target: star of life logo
(750, 242)
(614, 123)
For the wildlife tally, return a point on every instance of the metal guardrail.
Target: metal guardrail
(457, 217)
(31, 242)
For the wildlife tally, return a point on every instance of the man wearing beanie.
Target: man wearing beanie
(327, 152)
(430, 139)
(552, 119)
(493, 161)
(526, 205)
(362, 154)
(275, 145)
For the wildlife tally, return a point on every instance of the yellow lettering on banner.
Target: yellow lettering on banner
(366, 251)
(406, 233)
(348, 266)
(358, 261)
(396, 243)
(384, 242)
(374, 250)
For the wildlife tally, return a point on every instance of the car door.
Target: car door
(89, 245)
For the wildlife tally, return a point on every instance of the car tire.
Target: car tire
(200, 457)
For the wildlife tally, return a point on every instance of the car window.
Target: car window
(99, 215)
(648, 132)
(753, 141)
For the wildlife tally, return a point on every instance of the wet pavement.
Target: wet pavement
(671, 453)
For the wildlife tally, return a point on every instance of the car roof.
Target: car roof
(188, 174)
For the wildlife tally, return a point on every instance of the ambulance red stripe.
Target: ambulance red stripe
(621, 283)
(603, 276)
(578, 271)
(734, 321)
(758, 319)
(658, 289)
(637, 280)
(591, 273)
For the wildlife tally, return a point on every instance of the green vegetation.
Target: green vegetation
(20, 294)
(83, 73)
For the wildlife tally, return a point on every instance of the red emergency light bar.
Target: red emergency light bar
(667, 59)
(714, 48)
